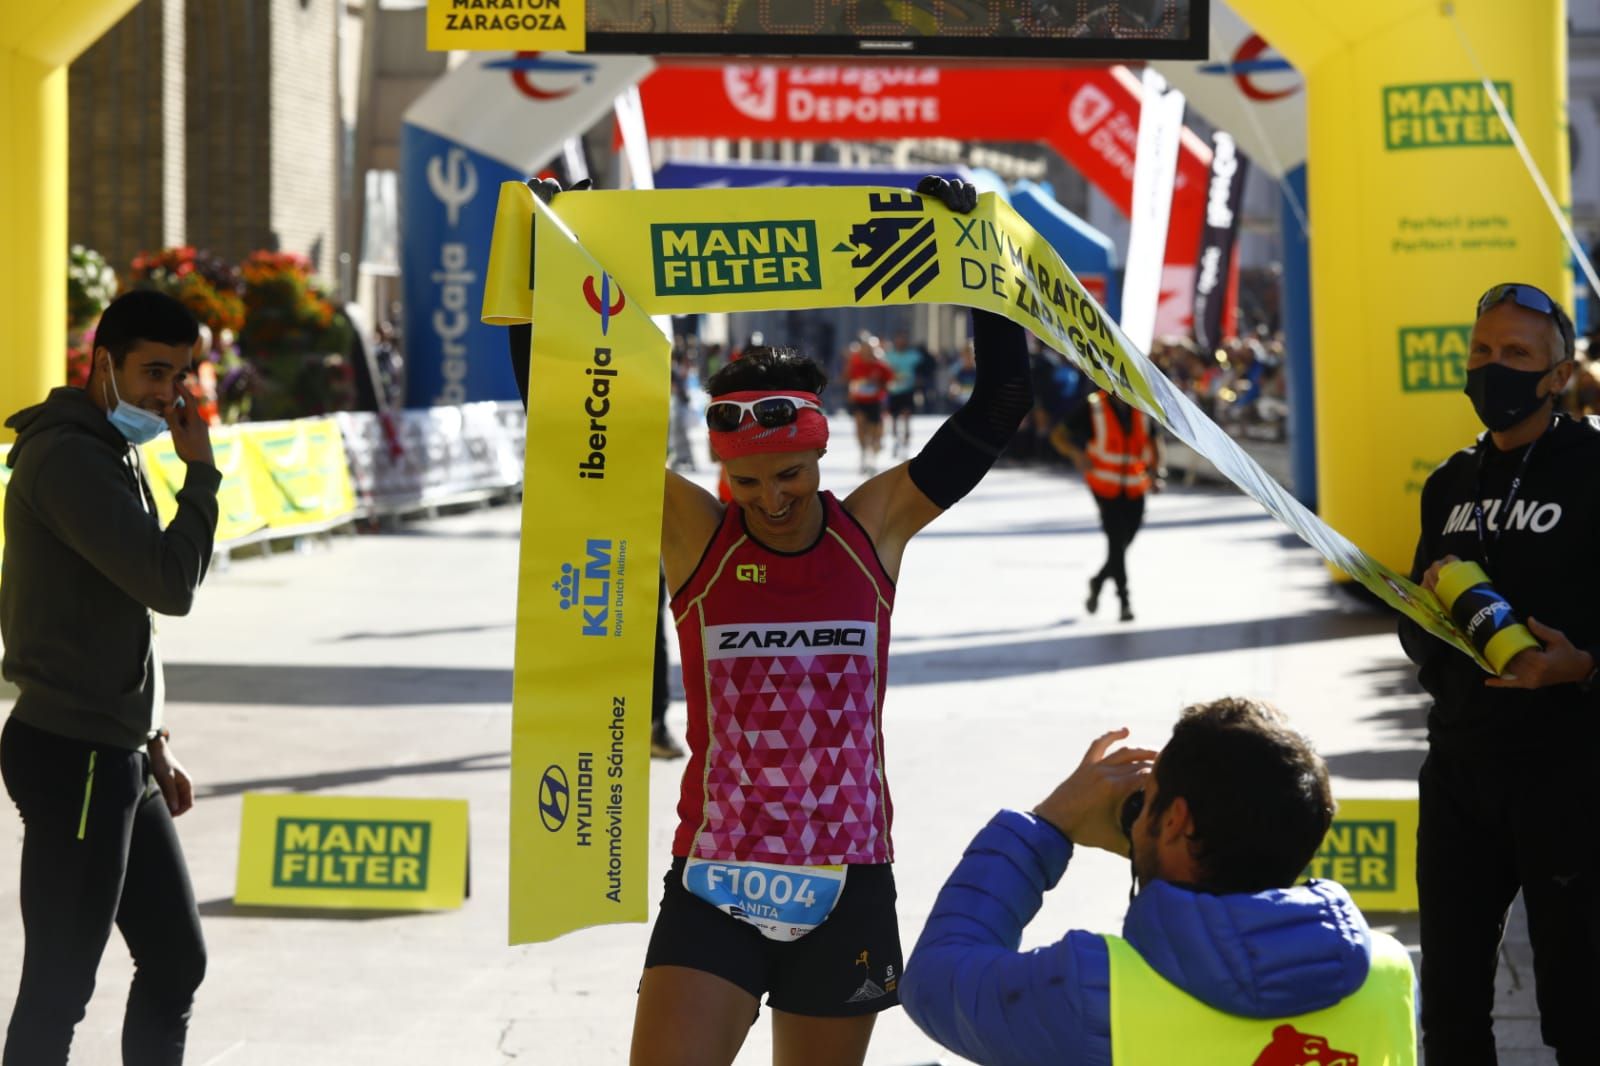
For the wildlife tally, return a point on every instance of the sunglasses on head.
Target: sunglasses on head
(725, 416)
(1525, 296)
(1534, 299)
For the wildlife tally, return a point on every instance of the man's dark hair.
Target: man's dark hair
(1257, 791)
(770, 369)
(143, 315)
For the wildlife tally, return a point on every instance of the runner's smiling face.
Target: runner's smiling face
(778, 492)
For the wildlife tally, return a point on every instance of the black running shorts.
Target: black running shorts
(871, 410)
(849, 965)
(902, 403)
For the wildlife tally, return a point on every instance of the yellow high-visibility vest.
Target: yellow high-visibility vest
(1156, 1023)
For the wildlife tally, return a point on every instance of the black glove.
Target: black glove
(546, 188)
(959, 196)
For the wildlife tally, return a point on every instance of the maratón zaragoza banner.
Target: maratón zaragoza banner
(595, 445)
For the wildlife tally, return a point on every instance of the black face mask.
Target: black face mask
(1501, 396)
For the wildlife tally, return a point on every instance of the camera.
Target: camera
(1130, 812)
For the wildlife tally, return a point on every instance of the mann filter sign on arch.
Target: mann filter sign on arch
(1452, 114)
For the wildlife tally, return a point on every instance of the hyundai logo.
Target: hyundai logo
(555, 798)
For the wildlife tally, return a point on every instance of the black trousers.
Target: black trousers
(661, 686)
(1495, 820)
(1120, 519)
(98, 848)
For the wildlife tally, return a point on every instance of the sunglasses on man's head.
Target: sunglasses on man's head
(1534, 299)
(725, 416)
(1524, 295)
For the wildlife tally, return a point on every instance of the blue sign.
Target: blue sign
(448, 194)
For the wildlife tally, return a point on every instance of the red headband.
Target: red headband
(808, 430)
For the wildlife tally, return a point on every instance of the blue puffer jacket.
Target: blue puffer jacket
(1269, 955)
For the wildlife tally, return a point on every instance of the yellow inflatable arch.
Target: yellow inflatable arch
(1419, 201)
(37, 41)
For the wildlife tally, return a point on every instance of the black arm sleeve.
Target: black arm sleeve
(519, 341)
(1420, 646)
(952, 463)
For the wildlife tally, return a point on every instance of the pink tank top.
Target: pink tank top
(785, 659)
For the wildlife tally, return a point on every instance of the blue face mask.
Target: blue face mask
(134, 423)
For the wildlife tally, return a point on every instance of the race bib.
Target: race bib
(784, 902)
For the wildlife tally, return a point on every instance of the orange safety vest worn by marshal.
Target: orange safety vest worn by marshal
(1117, 457)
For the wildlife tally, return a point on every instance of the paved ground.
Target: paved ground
(380, 665)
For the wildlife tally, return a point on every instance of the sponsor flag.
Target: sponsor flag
(1422, 202)
(1155, 169)
(594, 462)
(495, 118)
(1090, 115)
(586, 590)
(1217, 237)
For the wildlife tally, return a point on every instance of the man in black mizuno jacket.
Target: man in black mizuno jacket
(1510, 759)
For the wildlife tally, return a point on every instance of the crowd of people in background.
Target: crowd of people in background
(1242, 386)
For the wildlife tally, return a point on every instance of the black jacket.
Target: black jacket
(1543, 563)
(86, 561)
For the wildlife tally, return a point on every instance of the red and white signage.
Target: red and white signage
(1090, 116)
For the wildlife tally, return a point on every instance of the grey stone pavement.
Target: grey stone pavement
(381, 665)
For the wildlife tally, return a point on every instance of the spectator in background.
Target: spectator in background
(682, 455)
(867, 376)
(85, 753)
(963, 372)
(662, 743)
(904, 361)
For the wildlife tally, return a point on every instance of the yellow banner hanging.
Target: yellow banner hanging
(586, 592)
(681, 252)
(1420, 202)
(300, 476)
(238, 514)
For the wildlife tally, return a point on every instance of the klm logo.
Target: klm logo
(588, 588)
(1524, 514)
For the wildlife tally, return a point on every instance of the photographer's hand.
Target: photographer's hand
(1086, 806)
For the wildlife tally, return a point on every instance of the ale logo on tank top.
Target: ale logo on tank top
(847, 637)
(1291, 1047)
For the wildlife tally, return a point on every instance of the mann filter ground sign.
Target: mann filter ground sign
(352, 852)
(1371, 849)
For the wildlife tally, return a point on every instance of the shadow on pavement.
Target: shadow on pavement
(227, 908)
(384, 686)
(1075, 528)
(490, 760)
(417, 634)
(335, 685)
(1122, 646)
(1388, 764)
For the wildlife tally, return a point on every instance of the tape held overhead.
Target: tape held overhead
(596, 434)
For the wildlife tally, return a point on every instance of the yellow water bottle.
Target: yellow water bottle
(1482, 613)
